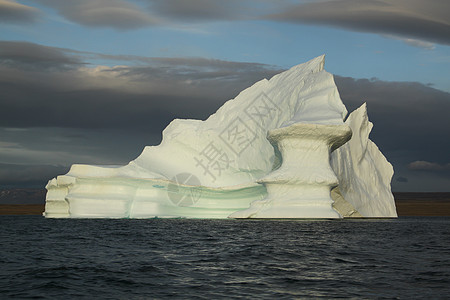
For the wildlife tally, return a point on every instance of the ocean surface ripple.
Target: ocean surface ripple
(211, 259)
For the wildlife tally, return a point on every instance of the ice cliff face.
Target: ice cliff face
(216, 167)
(363, 172)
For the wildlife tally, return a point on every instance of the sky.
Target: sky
(95, 81)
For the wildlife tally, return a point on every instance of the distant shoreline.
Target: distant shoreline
(21, 209)
(408, 204)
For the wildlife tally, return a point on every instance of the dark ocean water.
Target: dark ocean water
(210, 259)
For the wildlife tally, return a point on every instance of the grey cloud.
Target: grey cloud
(215, 10)
(423, 20)
(402, 179)
(15, 175)
(200, 77)
(413, 42)
(115, 14)
(431, 169)
(32, 56)
(421, 165)
(24, 105)
(29, 157)
(210, 63)
(196, 62)
(121, 14)
(14, 12)
(199, 10)
(145, 97)
(416, 22)
(65, 146)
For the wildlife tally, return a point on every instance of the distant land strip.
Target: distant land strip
(21, 209)
(408, 204)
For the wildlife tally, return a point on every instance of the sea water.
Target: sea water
(400, 258)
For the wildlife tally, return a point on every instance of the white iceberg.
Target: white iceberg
(264, 154)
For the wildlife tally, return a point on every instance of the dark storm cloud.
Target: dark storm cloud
(29, 157)
(116, 14)
(32, 56)
(31, 106)
(145, 97)
(65, 146)
(14, 175)
(408, 117)
(13, 12)
(425, 20)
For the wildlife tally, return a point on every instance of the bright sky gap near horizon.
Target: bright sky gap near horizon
(94, 81)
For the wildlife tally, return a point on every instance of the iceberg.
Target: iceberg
(280, 149)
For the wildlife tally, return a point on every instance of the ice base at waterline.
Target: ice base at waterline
(252, 158)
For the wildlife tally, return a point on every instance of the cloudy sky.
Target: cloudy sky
(94, 81)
